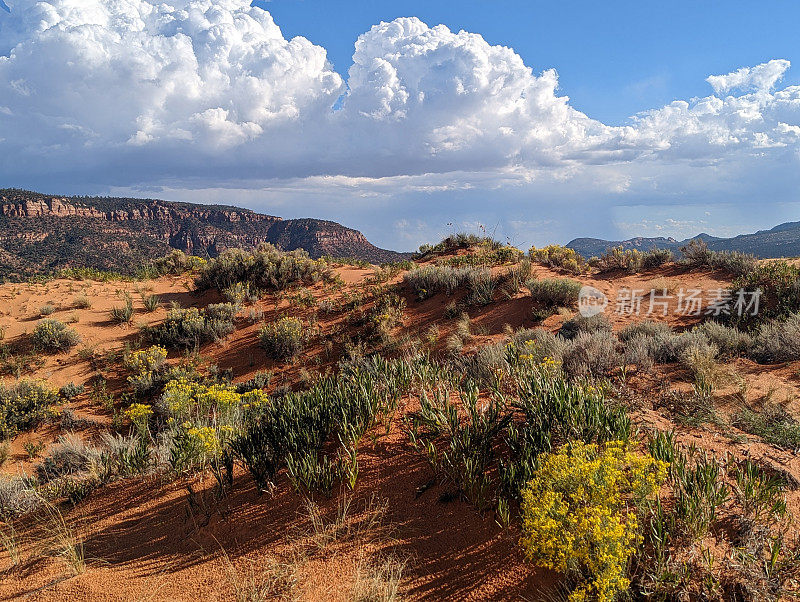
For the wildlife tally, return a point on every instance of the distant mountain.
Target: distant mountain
(781, 241)
(41, 233)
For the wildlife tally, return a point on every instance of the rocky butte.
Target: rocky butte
(41, 233)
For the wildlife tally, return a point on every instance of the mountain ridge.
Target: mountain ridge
(42, 233)
(782, 240)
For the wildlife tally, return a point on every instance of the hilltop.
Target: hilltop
(41, 234)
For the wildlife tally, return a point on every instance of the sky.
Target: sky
(534, 121)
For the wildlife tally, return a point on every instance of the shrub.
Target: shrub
(174, 264)
(240, 293)
(575, 516)
(17, 497)
(538, 344)
(191, 327)
(556, 256)
(516, 277)
(283, 339)
(773, 424)
(260, 381)
(23, 406)
(778, 340)
(574, 326)
(70, 391)
(779, 282)
(266, 268)
(70, 456)
(460, 240)
(52, 335)
(618, 258)
(647, 328)
(592, 353)
(430, 280)
(82, 302)
(697, 255)
(729, 340)
(554, 292)
(655, 258)
(46, 310)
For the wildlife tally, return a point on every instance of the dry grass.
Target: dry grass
(267, 579)
(377, 579)
(61, 539)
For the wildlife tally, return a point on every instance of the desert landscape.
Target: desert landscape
(264, 425)
(379, 301)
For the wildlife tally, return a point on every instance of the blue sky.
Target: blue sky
(614, 58)
(541, 121)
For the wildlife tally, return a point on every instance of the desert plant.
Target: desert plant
(82, 301)
(655, 258)
(284, 339)
(579, 514)
(23, 405)
(618, 258)
(46, 310)
(773, 424)
(574, 326)
(778, 340)
(123, 314)
(556, 256)
(591, 353)
(554, 292)
(52, 335)
(266, 268)
(70, 391)
(151, 302)
(191, 327)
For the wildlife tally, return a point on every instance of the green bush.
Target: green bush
(592, 353)
(283, 339)
(52, 335)
(266, 268)
(779, 282)
(655, 258)
(23, 406)
(554, 292)
(460, 240)
(71, 390)
(778, 340)
(697, 255)
(430, 280)
(174, 264)
(191, 327)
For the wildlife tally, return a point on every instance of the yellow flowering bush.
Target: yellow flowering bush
(558, 257)
(23, 405)
(139, 414)
(578, 513)
(146, 361)
(283, 339)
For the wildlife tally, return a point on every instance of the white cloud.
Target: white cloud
(761, 78)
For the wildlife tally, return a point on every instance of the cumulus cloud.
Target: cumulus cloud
(199, 92)
(761, 78)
